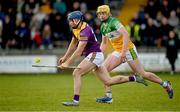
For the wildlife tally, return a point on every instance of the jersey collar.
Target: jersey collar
(107, 20)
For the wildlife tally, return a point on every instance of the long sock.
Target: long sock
(163, 83)
(109, 94)
(76, 98)
(132, 78)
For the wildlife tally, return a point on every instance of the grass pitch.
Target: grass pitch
(45, 92)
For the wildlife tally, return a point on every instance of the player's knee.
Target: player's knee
(143, 74)
(108, 68)
(76, 73)
(107, 82)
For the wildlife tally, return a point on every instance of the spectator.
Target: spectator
(134, 31)
(12, 13)
(173, 20)
(178, 8)
(21, 6)
(27, 16)
(76, 6)
(163, 31)
(172, 44)
(60, 6)
(33, 6)
(135, 18)
(58, 32)
(23, 36)
(165, 9)
(7, 32)
(97, 29)
(151, 9)
(45, 21)
(38, 18)
(174, 4)
(46, 37)
(45, 7)
(83, 7)
(36, 39)
(2, 14)
(150, 33)
(37, 13)
(141, 15)
(89, 19)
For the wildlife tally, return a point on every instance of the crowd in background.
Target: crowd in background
(42, 23)
(151, 26)
(38, 23)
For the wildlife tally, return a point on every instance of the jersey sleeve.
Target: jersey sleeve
(116, 25)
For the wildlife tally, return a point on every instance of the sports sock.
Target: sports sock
(163, 83)
(76, 98)
(132, 78)
(109, 94)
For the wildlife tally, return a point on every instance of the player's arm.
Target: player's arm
(104, 43)
(124, 34)
(78, 52)
(71, 47)
(69, 51)
(121, 31)
(125, 37)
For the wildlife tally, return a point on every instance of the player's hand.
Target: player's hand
(64, 65)
(123, 58)
(61, 60)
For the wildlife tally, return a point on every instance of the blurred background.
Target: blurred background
(38, 28)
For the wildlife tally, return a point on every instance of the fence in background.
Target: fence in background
(152, 62)
(23, 63)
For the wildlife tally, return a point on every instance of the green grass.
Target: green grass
(45, 92)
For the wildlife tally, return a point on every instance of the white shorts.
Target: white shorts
(96, 57)
(131, 54)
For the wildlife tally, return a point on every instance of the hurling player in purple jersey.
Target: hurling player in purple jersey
(84, 42)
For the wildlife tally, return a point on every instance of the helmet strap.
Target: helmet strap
(77, 24)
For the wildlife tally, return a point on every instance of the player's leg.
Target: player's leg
(113, 61)
(172, 63)
(110, 63)
(85, 66)
(89, 63)
(104, 76)
(102, 73)
(136, 67)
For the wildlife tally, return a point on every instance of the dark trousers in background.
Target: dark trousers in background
(172, 63)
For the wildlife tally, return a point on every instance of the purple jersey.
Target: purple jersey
(86, 33)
